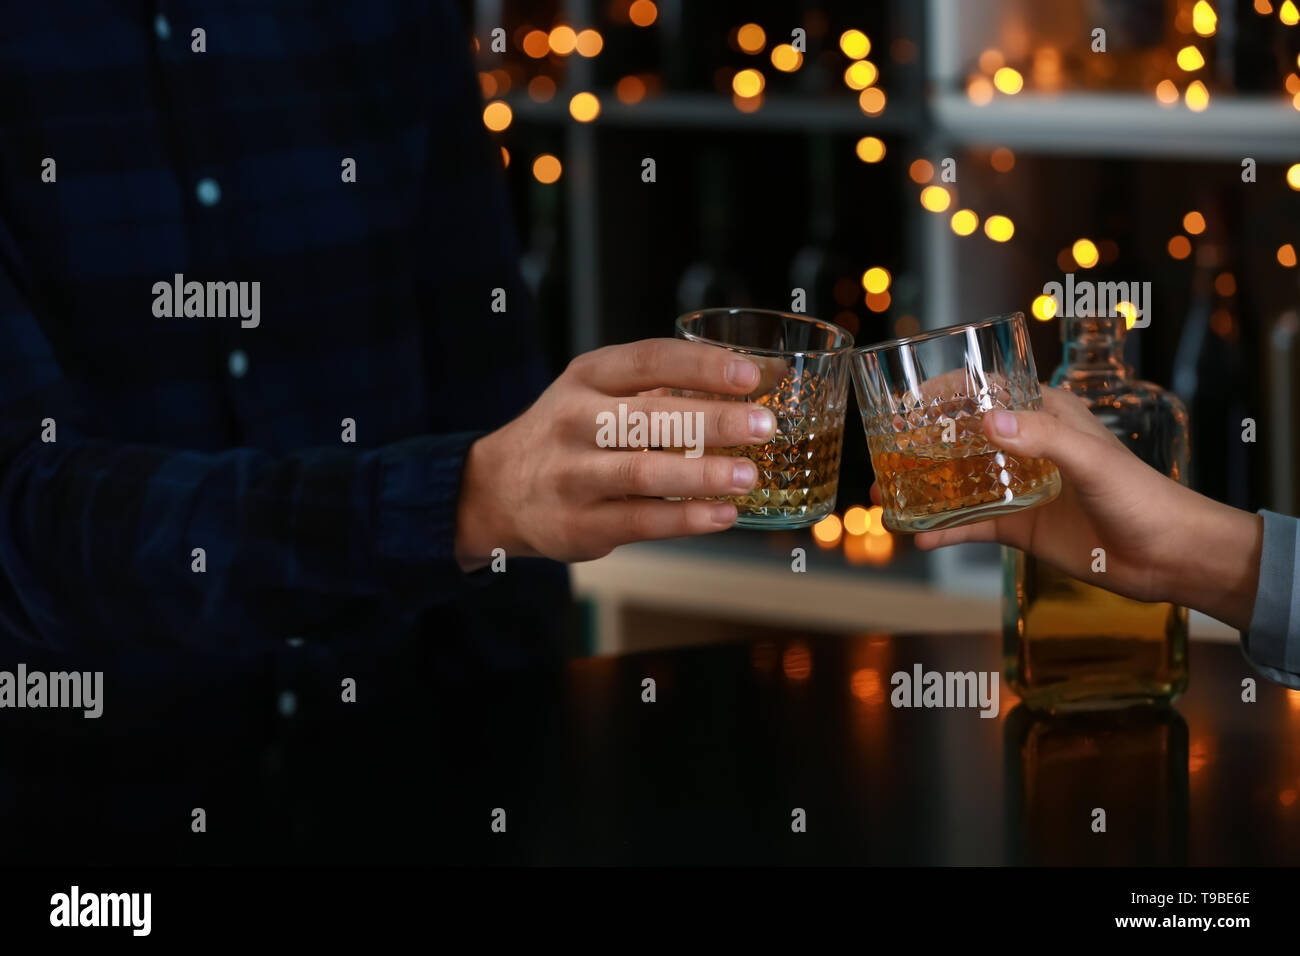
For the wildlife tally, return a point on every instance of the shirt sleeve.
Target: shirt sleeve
(99, 541)
(1272, 645)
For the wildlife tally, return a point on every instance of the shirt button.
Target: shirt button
(208, 191)
(161, 27)
(238, 363)
(287, 705)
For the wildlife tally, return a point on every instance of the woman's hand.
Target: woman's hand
(1162, 541)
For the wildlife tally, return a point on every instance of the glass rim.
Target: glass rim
(1006, 317)
(769, 313)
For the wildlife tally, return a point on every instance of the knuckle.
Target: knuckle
(634, 473)
(646, 357)
(638, 523)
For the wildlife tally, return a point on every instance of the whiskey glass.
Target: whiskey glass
(923, 399)
(804, 382)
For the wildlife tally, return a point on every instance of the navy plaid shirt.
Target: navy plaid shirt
(126, 158)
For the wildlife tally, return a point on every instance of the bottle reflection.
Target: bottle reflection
(1133, 764)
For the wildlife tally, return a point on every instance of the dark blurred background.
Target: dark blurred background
(777, 169)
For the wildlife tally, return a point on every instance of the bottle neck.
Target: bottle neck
(1093, 348)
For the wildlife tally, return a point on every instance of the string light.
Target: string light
(1286, 255)
(1293, 177)
(1180, 247)
(935, 198)
(871, 149)
(590, 43)
(855, 520)
(786, 58)
(999, 228)
(497, 116)
(630, 89)
(536, 44)
(1129, 311)
(1167, 92)
(876, 279)
(1197, 96)
(980, 90)
(855, 44)
(1288, 13)
(872, 101)
(1189, 59)
(584, 107)
(751, 38)
(747, 83)
(921, 171)
(860, 75)
(1085, 253)
(546, 169)
(563, 40)
(1002, 159)
(643, 13)
(1008, 81)
(964, 222)
(1204, 19)
(1194, 223)
(1043, 308)
(828, 531)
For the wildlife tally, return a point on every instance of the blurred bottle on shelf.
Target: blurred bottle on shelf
(1211, 368)
(710, 280)
(544, 265)
(818, 267)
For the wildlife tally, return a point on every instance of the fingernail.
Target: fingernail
(762, 423)
(722, 514)
(742, 372)
(1005, 424)
(744, 473)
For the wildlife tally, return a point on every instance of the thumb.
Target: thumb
(1041, 435)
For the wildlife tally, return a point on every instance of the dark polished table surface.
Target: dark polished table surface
(742, 733)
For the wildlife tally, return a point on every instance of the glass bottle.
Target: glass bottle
(1068, 645)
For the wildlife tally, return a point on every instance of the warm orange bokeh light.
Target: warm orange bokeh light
(563, 40)
(921, 171)
(536, 44)
(546, 168)
(630, 90)
(1180, 247)
(643, 13)
(1002, 159)
(828, 531)
(497, 116)
(584, 107)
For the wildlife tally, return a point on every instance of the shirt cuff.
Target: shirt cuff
(419, 493)
(1272, 644)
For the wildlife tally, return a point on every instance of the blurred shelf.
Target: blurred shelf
(713, 111)
(759, 587)
(1124, 124)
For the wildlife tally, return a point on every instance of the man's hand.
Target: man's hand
(540, 486)
(1163, 542)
